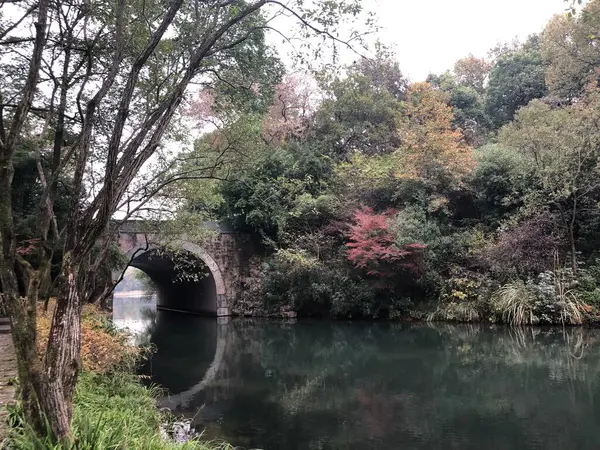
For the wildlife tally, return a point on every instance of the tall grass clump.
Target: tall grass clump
(515, 302)
(550, 300)
(455, 312)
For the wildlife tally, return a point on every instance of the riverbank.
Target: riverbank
(112, 407)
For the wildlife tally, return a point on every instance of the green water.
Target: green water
(320, 385)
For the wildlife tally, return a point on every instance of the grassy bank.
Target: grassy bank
(112, 408)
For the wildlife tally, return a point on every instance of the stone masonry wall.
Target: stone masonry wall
(231, 252)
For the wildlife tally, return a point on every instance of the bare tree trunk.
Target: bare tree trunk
(62, 353)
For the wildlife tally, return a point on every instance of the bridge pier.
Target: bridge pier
(223, 308)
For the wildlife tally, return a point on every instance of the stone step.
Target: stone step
(4, 320)
(4, 329)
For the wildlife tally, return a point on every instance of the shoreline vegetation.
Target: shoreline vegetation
(471, 196)
(113, 409)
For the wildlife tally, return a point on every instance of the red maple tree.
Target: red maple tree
(372, 245)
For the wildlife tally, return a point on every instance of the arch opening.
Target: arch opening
(186, 281)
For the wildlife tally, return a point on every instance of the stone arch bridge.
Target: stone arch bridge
(224, 259)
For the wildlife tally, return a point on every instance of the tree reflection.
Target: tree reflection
(364, 385)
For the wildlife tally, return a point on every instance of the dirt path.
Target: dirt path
(8, 372)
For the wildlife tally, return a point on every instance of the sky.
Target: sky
(430, 35)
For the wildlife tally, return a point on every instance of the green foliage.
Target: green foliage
(468, 105)
(499, 181)
(561, 145)
(298, 280)
(414, 226)
(112, 411)
(518, 76)
(588, 283)
(570, 49)
(281, 189)
(361, 111)
(464, 297)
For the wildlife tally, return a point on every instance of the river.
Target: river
(362, 385)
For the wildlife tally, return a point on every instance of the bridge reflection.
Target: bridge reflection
(188, 350)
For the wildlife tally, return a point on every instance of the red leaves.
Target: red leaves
(372, 245)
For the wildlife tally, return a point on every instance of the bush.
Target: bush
(463, 298)
(102, 348)
(588, 287)
(523, 250)
(498, 183)
(442, 247)
(551, 299)
(295, 279)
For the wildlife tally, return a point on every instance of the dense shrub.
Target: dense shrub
(588, 286)
(297, 280)
(498, 183)
(548, 299)
(525, 249)
(464, 297)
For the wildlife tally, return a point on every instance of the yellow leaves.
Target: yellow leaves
(101, 349)
(430, 143)
(459, 294)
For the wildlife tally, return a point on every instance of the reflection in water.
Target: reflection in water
(319, 385)
(185, 346)
(135, 314)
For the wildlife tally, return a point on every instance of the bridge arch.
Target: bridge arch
(135, 253)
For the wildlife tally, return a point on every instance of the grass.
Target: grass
(455, 312)
(113, 411)
(521, 303)
(515, 302)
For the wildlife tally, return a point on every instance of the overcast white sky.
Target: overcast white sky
(430, 35)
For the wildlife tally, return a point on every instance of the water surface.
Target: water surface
(321, 385)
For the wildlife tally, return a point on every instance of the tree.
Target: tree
(472, 72)
(372, 245)
(431, 149)
(294, 103)
(517, 77)
(563, 147)
(431, 161)
(467, 105)
(360, 112)
(270, 194)
(570, 48)
(101, 92)
(500, 180)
